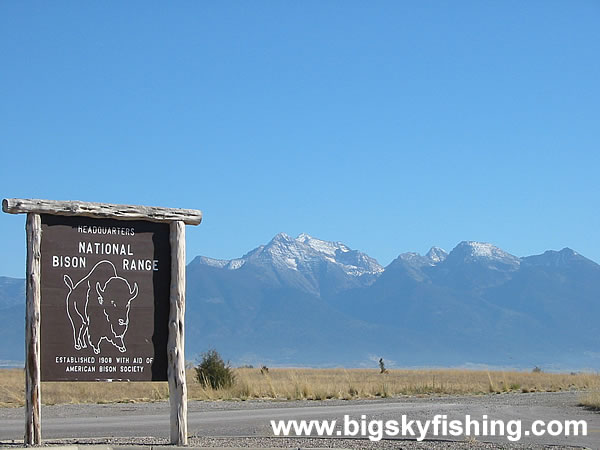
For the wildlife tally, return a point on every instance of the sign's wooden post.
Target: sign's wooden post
(104, 256)
(33, 401)
(175, 346)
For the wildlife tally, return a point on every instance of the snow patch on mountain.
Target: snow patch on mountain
(324, 247)
(413, 258)
(235, 264)
(436, 255)
(482, 249)
(354, 263)
(283, 252)
(220, 263)
(484, 252)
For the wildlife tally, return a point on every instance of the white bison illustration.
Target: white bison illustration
(98, 307)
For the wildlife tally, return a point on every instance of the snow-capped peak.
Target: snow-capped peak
(483, 249)
(282, 237)
(303, 254)
(472, 250)
(436, 255)
(325, 247)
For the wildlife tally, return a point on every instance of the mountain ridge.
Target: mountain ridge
(306, 301)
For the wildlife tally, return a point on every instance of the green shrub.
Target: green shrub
(214, 372)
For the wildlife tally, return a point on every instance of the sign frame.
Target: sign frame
(177, 219)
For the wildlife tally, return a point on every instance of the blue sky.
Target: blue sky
(389, 126)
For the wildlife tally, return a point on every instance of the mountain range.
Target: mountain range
(307, 302)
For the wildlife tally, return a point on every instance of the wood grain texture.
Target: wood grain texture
(101, 210)
(175, 345)
(33, 401)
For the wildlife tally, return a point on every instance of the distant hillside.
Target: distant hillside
(12, 321)
(304, 301)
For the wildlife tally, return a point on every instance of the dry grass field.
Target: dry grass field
(312, 384)
(591, 400)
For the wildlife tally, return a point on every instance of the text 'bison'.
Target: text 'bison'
(98, 307)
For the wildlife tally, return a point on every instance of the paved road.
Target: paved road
(252, 418)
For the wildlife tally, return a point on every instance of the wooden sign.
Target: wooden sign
(104, 299)
(106, 282)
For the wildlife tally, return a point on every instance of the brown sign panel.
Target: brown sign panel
(105, 299)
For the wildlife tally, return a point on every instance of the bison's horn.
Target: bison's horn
(68, 282)
(100, 291)
(134, 291)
